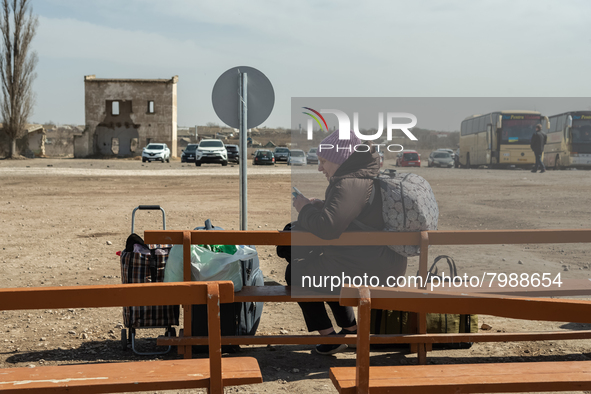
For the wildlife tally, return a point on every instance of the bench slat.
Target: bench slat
(421, 301)
(132, 376)
(274, 294)
(464, 237)
(379, 339)
(130, 294)
(470, 378)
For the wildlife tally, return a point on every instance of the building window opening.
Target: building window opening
(151, 107)
(115, 108)
(115, 146)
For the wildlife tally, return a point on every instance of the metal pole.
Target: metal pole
(243, 156)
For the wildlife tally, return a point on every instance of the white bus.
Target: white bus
(498, 139)
(569, 140)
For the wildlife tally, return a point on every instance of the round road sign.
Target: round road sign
(226, 101)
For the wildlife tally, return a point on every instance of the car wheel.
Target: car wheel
(557, 163)
(198, 164)
(168, 160)
(224, 163)
(143, 160)
(124, 339)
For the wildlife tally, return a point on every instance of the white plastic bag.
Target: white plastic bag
(207, 265)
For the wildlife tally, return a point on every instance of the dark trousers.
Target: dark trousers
(315, 313)
(539, 163)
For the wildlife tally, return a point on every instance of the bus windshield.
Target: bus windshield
(518, 131)
(581, 131)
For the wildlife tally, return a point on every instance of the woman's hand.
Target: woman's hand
(317, 203)
(299, 201)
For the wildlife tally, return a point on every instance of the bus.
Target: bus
(569, 140)
(498, 139)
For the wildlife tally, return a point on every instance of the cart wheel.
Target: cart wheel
(124, 339)
(171, 332)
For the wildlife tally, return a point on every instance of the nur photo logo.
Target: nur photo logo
(345, 128)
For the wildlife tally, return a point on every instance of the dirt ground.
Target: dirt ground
(64, 220)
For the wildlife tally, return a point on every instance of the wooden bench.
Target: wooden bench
(420, 343)
(213, 373)
(466, 378)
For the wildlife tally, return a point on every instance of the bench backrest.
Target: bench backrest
(423, 238)
(136, 294)
(438, 237)
(144, 294)
(419, 301)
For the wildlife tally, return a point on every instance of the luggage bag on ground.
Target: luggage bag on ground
(146, 267)
(400, 322)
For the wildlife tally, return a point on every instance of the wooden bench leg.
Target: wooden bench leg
(422, 317)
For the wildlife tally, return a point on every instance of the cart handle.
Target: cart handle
(148, 208)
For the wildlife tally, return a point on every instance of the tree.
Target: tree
(17, 67)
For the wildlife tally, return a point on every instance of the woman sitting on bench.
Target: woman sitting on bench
(347, 198)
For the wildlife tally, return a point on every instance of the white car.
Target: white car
(450, 151)
(156, 151)
(297, 157)
(211, 151)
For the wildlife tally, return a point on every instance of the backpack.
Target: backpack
(408, 204)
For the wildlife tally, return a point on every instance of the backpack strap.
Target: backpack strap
(402, 197)
(372, 195)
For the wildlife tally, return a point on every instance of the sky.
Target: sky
(306, 48)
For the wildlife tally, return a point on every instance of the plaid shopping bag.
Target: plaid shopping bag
(147, 268)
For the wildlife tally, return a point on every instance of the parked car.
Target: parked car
(297, 157)
(233, 153)
(281, 154)
(211, 151)
(450, 151)
(312, 156)
(263, 157)
(440, 158)
(408, 158)
(188, 155)
(154, 152)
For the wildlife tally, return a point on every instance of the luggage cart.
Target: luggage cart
(145, 268)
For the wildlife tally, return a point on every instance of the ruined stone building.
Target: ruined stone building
(30, 144)
(124, 115)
